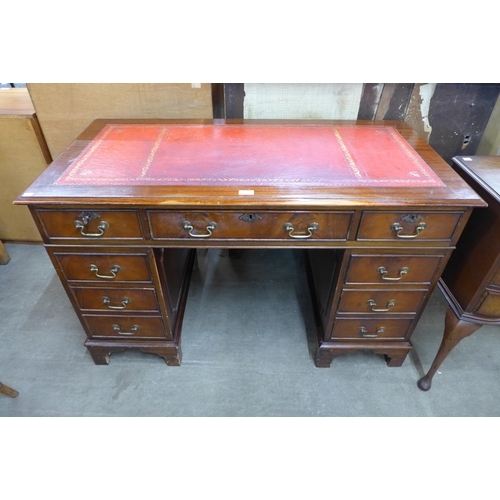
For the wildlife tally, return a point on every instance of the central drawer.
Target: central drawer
(260, 225)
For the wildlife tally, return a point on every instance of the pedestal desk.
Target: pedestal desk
(471, 280)
(375, 209)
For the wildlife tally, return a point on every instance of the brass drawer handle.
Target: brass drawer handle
(398, 228)
(114, 270)
(371, 303)
(364, 332)
(188, 226)
(288, 226)
(107, 301)
(133, 330)
(383, 271)
(101, 227)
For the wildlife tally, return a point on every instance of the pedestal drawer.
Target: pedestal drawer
(371, 329)
(390, 269)
(250, 225)
(116, 299)
(126, 327)
(91, 225)
(408, 226)
(381, 301)
(105, 267)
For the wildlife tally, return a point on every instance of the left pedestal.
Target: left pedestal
(127, 298)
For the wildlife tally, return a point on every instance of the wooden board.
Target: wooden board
(15, 101)
(23, 157)
(384, 101)
(452, 117)
(490, 142)
(66, 109)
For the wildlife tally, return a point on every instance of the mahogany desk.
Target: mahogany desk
(375, 209)
(471, 280)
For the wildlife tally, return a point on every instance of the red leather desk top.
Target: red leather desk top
(249, 155)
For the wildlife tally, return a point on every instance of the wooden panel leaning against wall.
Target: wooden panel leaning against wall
(66, 109)
(450, 117)
(23, 157)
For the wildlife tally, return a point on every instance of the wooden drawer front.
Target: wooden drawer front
(250, 226)
(371, 329)
(381, 301)
(408, 226)
(105, 268)
(126, 327)
(496, 279)
(116, 299)
(489, 304)
(91, 225)
(388, 269)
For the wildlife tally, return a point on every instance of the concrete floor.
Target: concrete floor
(247, 339)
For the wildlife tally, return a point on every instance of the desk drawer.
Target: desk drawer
(408, 226)
(125, 327)
(381, 301)
(496, 279)
(258, 225)
(371, 329)
(489, 304)
(116, 299)
(91, 225)
(390, 269)
(105, 268)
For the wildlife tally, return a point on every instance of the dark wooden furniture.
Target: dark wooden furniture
(121, 213)
(5, 389)
(471, 280)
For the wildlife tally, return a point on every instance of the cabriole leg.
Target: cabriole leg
(454, 331)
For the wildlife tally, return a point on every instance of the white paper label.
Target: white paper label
(246, 192)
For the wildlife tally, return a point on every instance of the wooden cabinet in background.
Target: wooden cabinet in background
(23, 157)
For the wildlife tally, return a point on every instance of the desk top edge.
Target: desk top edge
(455, 193)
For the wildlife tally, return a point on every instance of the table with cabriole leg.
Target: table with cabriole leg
(471, 280)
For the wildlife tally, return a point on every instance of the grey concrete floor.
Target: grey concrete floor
(247, 347)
